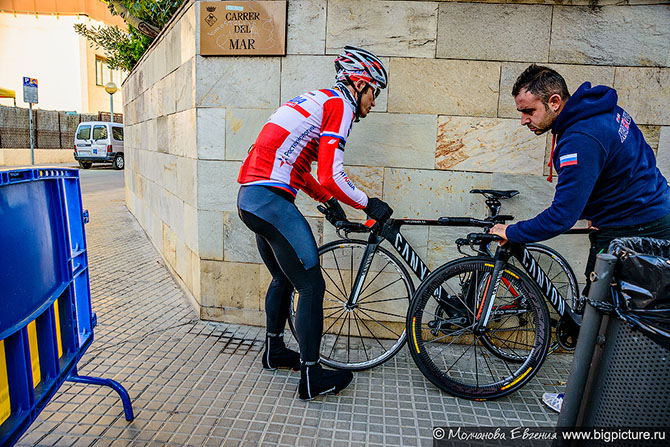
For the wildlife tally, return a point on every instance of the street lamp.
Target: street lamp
(110, 88)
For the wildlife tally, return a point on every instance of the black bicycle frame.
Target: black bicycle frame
(391, 231)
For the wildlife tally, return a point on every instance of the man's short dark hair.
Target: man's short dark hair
(542, 82)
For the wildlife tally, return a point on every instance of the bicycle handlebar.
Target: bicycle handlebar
(466, 222)
(345, 225)
(351, 227)
(482, 238)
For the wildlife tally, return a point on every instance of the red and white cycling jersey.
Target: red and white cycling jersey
(311, 127)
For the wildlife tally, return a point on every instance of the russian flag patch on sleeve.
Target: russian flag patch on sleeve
(567, 160)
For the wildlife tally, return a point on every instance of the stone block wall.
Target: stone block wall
(446, 124)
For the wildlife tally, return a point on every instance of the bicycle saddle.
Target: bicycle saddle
(496, 194)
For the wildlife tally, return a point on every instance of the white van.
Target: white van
(99, 142)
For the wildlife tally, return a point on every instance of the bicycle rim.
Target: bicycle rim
(373, 331)
(459, 361)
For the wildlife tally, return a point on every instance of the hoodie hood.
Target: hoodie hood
(586, 102)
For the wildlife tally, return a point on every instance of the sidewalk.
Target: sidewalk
(200, 383)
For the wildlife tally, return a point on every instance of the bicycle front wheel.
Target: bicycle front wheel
(368, 333)
(457, 358)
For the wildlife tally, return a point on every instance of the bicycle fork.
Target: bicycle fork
(485, 306)
(373, 242)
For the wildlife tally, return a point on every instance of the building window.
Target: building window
(103, 74)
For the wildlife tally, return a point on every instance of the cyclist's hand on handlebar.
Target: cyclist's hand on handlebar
(500, 230)
(334, 212)
(378, 210)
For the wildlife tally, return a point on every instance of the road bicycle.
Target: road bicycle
(506, 334)
(368, 289)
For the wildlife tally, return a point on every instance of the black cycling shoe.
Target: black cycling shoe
(315, 381)
(277, 355)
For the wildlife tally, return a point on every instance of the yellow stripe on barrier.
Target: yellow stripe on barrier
(58, 339)
(34, 353)
(5, 405)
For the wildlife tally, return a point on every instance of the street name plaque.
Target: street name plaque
(243, 28)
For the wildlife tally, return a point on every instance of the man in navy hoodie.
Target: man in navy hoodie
(607, 172)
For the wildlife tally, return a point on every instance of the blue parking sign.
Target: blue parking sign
(30, 90)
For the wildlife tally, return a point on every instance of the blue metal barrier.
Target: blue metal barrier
(46, 321)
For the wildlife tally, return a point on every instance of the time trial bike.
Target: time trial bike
(368, 289)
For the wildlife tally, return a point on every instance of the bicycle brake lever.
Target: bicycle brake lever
(460, 243)
(337, 231)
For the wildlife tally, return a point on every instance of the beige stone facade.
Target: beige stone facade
(445, 125)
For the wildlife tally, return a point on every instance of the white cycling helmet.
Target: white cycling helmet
(355, 64)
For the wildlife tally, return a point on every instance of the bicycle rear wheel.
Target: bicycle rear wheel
(457, 359)
(560, 273)
(372, 331)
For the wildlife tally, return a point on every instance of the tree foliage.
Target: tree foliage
(144, 18)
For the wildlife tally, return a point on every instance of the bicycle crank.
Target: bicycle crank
(566, 335)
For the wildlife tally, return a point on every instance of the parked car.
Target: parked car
(99, 142)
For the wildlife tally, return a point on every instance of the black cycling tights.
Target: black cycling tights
(287, 272)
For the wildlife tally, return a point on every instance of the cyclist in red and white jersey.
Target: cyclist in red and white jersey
(312, 127)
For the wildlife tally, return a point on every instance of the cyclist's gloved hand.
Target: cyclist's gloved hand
(334, 211)
(378, 210)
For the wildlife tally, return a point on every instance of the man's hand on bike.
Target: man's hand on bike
(334, 212)
(500, 230)
(590, 225)
(378, 210)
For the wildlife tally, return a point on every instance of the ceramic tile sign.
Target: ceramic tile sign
(251, 28)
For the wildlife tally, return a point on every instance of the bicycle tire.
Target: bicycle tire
(375, 328)
(440, 352)
(560, 273)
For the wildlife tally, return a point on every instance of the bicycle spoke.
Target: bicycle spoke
(375, 277)
(367, 357)
(551, 265)
(379, 290)
(333, 323)
(337, 336)
(506, 341)
(382, 312)
(513, 327)
(336, 298)
(456, 361)
(488, 366)
(372, 333)
(379, 322)
(333, 281)
(454, 334)
(402, 298)
(331, 308)
(339, 272)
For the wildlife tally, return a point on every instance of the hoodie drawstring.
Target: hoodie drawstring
(551, 159)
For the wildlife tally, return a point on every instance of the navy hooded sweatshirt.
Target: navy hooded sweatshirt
(606, 170)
